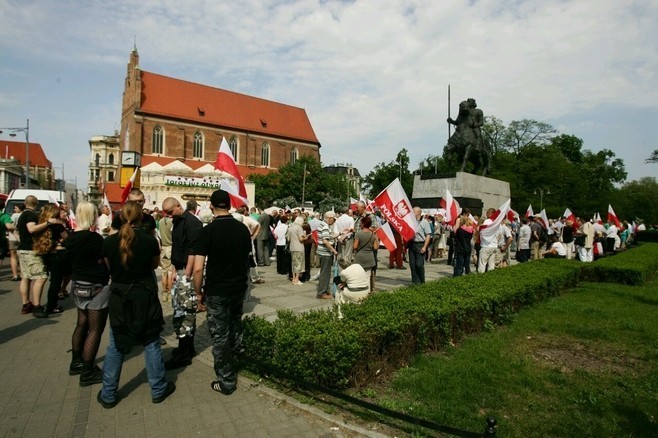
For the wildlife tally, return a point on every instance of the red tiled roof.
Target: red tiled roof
(16, 149)
(175, 98)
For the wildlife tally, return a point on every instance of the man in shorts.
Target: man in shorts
(33, 270)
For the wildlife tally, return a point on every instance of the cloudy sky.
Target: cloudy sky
(371, 74)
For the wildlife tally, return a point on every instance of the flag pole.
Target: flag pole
(449, 127)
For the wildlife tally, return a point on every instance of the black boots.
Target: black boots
(91, 374)
(76, 363)
(182, 356)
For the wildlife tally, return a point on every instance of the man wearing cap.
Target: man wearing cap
(183, 236)
(224, 246)
(326, 253)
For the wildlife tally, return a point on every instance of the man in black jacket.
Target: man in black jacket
(184, 301)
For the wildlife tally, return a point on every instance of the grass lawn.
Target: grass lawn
(582, 364)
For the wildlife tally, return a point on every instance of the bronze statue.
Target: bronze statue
(468, 144)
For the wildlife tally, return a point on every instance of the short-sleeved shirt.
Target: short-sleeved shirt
(26, 217)
(422, 229)
(144, 248)
(324, 233)
(226, 244)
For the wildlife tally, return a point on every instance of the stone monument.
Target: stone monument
(467, 149)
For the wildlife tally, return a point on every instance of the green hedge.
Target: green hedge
(383, 332)
(629, 267)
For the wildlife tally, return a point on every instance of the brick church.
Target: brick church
(172, 130)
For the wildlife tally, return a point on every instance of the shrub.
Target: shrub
(629, 267)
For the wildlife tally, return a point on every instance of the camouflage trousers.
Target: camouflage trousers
(184, 303)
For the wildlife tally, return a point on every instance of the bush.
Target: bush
(629, 267)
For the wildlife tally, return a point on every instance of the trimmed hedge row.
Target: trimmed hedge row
(629, 267)
(383, 332)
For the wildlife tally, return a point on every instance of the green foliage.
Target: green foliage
(304, 180)
(638, 199)
(384, 173)
(628, 267)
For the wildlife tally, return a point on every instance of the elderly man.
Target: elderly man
(104, 221)
(419, 247)
(326, 252)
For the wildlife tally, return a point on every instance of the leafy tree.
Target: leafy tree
(653, 158)
(384, 173)
(522, 133)
(494, 130)
(637, 199)
(330, 203)
(570, 146)
(305, 179)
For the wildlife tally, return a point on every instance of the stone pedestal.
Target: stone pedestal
(474, 192)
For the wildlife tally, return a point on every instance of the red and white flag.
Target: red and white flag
(569, 216)
(612, 217)
(529, 212)
(452, 208)
(491, 225)
(353, 203)
(226, 163)
(129, 186)
(385, 234)
(544, 219)
(72, 220)
(237, 200)
(512, 215)
(396, 208)
(106, 201)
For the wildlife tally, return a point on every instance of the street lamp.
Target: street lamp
(542, 191)
(26, 130)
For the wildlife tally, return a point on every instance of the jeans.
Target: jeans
(417, 263)
(113, 363)
(462, 264)
(224, 318)
(326, 263)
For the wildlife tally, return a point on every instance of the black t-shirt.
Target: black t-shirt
(226, 243)
(567, 234)
(25, 218)
(85, 250)
(148, 222)
(144, 248)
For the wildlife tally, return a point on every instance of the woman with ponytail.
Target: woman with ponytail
(136, 318)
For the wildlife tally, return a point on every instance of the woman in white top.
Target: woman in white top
(282, 256)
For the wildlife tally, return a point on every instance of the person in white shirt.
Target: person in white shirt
(523, 244)
(505, 239)
(488, 247)
(104, 221)
(611, 236)
(557, 249)
(353, 284)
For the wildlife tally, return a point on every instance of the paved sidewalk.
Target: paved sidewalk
(39, 399)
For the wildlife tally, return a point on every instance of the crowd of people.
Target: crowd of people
(210, 258)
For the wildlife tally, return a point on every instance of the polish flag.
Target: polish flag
(512, 215)
(353, 203)
(106, 201)
(529, 212)
(544, 219)
(237, 201)
(612, 217)
(226, 163)
(385, 234)
(370, 205)
(569, 216)
(52, 200)
(452, 208)
(129, 186)
(396, 208)
(72, 220)
(491, 225)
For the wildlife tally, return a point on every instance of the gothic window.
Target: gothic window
(233, 145)
(294, 155)
(198, 145)
(265, 155)
(157, 142)
(110, 159)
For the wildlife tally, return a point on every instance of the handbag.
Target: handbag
(85, 289)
